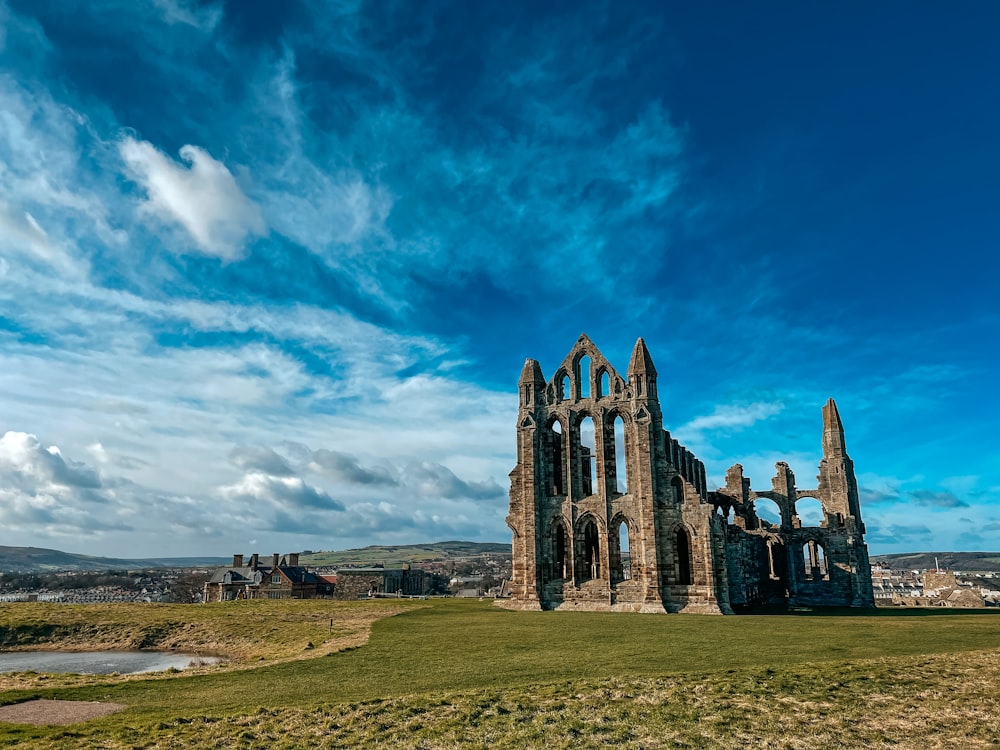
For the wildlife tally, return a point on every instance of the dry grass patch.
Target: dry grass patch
(943, 701)
(245, 633)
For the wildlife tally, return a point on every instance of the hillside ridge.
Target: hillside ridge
(43, 560)
(985, 562)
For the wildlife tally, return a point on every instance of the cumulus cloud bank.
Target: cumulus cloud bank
(23, 459)
(204, 197)
(283, 491)
(292, 489)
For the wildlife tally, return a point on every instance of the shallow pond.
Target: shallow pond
(98, 662)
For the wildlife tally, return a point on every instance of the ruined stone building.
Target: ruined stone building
(609, 512)
(354, 583)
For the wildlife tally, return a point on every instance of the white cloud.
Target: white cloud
(284, 492)
(20, 232)
(44, 493)
(180, 418)
(204, 18)
(731, 416)
(49, 204)
(204, 197)
(24, 461)
(325, 205)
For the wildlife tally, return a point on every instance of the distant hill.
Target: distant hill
(405, 553)
(965, 561)
(40, 560)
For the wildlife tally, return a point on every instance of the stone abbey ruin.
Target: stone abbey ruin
(627, 523)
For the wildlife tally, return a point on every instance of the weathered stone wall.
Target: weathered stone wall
(353, 583)
(689, 549)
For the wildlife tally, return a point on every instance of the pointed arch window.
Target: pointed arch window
(776, 561)
(562, 386)
(556, 458)
(677, 485)
(620, 463)
(583, 372)
(603, 384)
(588, 456)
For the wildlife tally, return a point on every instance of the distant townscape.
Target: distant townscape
(451, 568)
(467, 569)
(935, 587)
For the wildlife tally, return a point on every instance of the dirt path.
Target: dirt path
(56, 712)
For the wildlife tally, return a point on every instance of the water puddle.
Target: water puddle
(99, 662)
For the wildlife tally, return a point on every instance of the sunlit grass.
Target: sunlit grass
(451, 674)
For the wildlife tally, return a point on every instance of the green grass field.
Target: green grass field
(454, 673)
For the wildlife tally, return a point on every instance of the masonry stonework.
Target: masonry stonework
(609, 512)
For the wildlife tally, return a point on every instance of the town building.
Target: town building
(609, 512)
(284, 578)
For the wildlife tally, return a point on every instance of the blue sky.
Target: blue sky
(269, 271)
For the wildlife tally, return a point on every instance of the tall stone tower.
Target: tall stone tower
(838, 493)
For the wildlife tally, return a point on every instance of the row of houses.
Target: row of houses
(284, 578)
(933, 588)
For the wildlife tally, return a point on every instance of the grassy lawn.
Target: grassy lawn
(457, 673)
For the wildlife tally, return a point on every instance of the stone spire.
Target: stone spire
(833, 431)
(531, 374)
(641, 363)
(531, 384)
(838, 487)
(641, 372)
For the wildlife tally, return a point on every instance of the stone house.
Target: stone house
(284, 578)
(609, 512)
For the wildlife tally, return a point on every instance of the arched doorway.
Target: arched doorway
(683, 547)
(560, 559)
(589, 552)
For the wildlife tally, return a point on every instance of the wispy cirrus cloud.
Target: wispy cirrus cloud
(731, 416)
(933, 499)
(52, 208)
(205, 17)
